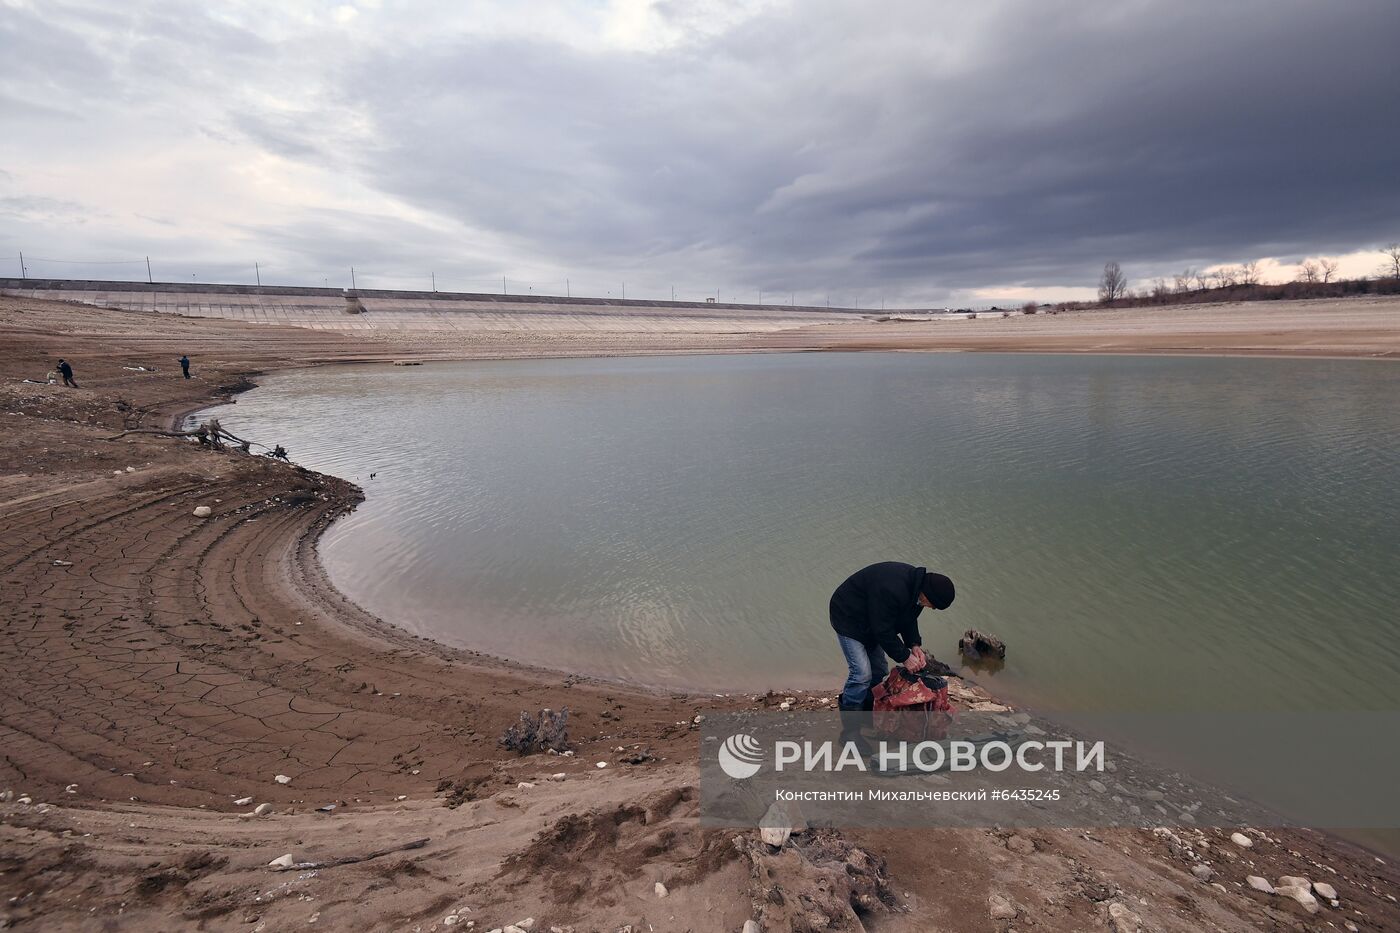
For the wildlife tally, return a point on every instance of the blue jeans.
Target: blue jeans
(868, 666)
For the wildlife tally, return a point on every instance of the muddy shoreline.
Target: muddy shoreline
(164, 667)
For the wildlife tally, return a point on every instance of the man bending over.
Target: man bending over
(876, 614)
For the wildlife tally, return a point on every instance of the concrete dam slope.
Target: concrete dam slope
(376, 311)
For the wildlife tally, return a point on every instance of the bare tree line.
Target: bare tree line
(1315, 278)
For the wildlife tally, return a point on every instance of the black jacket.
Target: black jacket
(880, 606)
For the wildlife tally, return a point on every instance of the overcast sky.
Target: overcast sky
(920, 152)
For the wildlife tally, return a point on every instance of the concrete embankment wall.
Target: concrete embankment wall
(379, 309)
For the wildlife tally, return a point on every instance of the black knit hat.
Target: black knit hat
(938, 589)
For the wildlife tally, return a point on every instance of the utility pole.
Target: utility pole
(258, 273)
(434, 275)
(503, 285)
(673, 293)
(624, 291)
(760, 296)
(353, 288)
(792, 299)
(149, 280)
(22, 273)
(568, 290)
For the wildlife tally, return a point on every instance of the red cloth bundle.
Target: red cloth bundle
(912, 707)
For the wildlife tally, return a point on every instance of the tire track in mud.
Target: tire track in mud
(137, 665)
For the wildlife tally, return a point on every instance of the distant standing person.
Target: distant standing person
(185, 366)
(66, 372)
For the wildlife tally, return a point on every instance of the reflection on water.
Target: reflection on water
(1143, 533)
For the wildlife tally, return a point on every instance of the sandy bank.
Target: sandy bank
(162, 667)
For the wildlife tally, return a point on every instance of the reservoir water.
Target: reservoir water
(1144, 533)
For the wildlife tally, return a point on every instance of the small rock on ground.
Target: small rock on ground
(1122, 920)
(999, 908)
(1300, 894)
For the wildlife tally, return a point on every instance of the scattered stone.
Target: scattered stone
(559, 776)
(203, 511)
(785, 706)
(1202, 872)
(71, 789)
(601, 764)
(1300, 894)
(6, 795)
(1260, 884)
(524, 785)
(282, 862)
(751, 926)
(774, 836)
(698, 719)
(1098, 787)
(1323, 889)
(1351, 927)
(450, 920)
(527, 924)
(999, 908)
(131, 469)
(1020, 845)
(262, 809)
(1294, 881)
(776, 825)
(1121, 919)
(661, 890)
(1241, 840)
(243, 801)
(282, 779)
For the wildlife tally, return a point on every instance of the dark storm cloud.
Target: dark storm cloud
(1028, 144)
(915, 147)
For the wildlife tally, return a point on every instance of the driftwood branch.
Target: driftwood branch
(211, 434)
(352, 859)
(196, 433)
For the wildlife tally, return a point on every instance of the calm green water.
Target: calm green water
(1144, 533)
